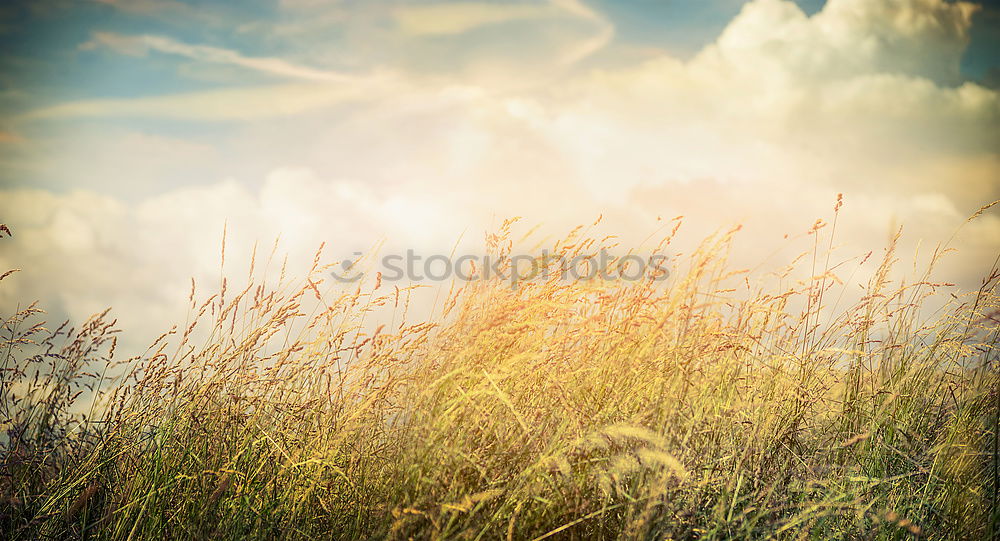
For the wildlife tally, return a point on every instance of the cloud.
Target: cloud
(140, 45)
(212, 105)
(923, 38)
(459, 17)
(782, 95)
(322, 89)
(455, 18)
(586, 47)
(113, 160)
(764, 126)
(139, 258)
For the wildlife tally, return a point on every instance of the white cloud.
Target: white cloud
(459, 17)
(213, 105)
(540, 39)
(922, 38)
(140, 45)
(139, 258)
(782, 95)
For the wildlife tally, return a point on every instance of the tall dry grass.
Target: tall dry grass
(710, 407)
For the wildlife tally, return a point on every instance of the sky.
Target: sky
(133, 131)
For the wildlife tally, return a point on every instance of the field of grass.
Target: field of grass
(715, 405)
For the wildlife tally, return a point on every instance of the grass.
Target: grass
(720, 405)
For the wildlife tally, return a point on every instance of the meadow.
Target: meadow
(720, 404)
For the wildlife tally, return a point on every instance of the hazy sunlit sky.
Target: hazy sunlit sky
(133, 129)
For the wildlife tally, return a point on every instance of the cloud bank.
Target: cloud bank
(764, 126)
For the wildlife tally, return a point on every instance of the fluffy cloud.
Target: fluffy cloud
(924, 38)
(81, 252)
(857, 95)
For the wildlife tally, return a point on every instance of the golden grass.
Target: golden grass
(708, 407)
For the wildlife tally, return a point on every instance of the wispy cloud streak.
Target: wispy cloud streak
(142, 44)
